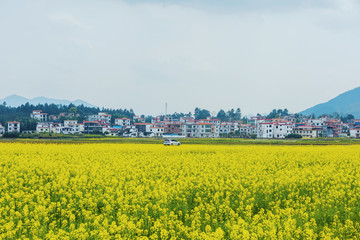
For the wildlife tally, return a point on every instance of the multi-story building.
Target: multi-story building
(39, 115)
(173, 128)
(2, 129)
(130, 131)
(317, 122)
(47, 127)
(245, 130)
(143, 129)
(70, 127)
(307, 131)
(273, 128)
(138, 119)
(265, 130)
(354, 132)
(282, 129)
(187, 120)
(14, 127)
(188, 129)
(122, 121)
(93, 127)
(213, 121)
(70, 122)
(203, 130)
(101, 116)
(157, 131)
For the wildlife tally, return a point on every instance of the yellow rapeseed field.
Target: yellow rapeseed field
(135, 191)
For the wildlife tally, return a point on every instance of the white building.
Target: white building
(130, 131)
(122, 121)
(111, 131)
(203, 130)
(245, 129)
(188, 129)
(78, 128)
(64, 130)
(278, 129)
(157, 131)
(213, 121)
(70, 128)
(187, 120)
(100, 117)
(282, 129)
(265, 130)
(227, 127)
(13, 127)
(47, 127)
(70, 122)
(354, 132)
(307, 131)
(200, 130)
(317, 122)
(2, 129)
(39, 115)
(139, 119)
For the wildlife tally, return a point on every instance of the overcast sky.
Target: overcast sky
(256, 55)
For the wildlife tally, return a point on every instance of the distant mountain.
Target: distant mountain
(346, 103)
(15, 101)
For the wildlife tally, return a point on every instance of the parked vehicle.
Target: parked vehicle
(169, 142)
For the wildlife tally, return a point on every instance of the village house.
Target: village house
(157, 131)
(138, 119)
(130, 131)
(143, 129)
(203, 130)
(65, 130)
(210, 120)
(39, 115)
(47, 127)
(122, 121)
(265, 130)
(187, 120)
(14, 127)
(101, 116)
(54, 117)
(109, 131)
(70, 127)
(354, 132)
(282, 129)
(2, 129)
(70, 122)
(307, 131)
(245, 130)
(91, 127)
(188, 129)
(173, 128)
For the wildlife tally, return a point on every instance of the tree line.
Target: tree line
(22, 113)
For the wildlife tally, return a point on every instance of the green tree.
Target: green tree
(221, 115)
(201, 113)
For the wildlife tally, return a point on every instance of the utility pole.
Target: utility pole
(165, 109)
